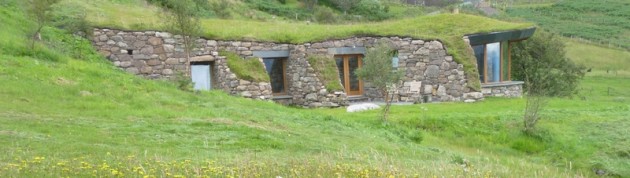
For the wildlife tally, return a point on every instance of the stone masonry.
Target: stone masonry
(429, 71)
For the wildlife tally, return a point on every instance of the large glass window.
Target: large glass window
(276, 69)
(493, 62)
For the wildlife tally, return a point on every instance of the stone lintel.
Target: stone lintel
(346, 50)
(271, 54)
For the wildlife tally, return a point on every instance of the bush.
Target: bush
(325, 15)
(247, 69)
(371, 10)
(327, 72)
(541, 62)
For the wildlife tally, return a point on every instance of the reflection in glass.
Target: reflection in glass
(479, 54)
(353, 65)
(339, 62)
(494, 62)
(275, 69)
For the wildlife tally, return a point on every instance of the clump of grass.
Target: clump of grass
(327, 72)
(248, 69)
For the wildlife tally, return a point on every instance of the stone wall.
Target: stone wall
(429, 72)
(503, 89)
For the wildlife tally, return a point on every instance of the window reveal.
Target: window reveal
(276, 69)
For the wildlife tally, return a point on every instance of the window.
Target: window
(276, 68)
(347, 65)
(395, 60)
(493, 62)
(201, 73)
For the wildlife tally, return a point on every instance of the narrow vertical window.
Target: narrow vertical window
(494, 62)
(276, 69)
(480, 51)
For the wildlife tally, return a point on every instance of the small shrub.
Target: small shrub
(183, 82)
(327, 72)
(325, 15)
(371, 10)
(528, 145)
(247, 69)
(221, 9)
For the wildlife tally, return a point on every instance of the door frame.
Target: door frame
(346, 71)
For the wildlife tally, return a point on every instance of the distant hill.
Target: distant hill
(603, 21)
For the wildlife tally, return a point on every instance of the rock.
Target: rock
(311, 97)
(155, 41)
(85, 93)
(433, 71)
(362, 107)
(323, 92)
(125, 64)
(132, 70)
(172, 61)
(315, 105)
(141, 57)
(122, 45)
(147, 50)
(428, 89)
(169, 48)
(154, 62)
(246, 94)
(163, 34)
(167, 72)
(469, 101)
(441, 91)
(117, 38)
(244, 82)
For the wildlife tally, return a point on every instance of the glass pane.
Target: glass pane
(479, 54)
(494, 62)
(505, 61)
(201, 77)
(339, 62)
(275, 69)
(353, 64)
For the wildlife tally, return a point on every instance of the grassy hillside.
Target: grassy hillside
(605, 21)
(65, 111)
(603, 61)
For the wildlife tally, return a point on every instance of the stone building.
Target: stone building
(431, 75)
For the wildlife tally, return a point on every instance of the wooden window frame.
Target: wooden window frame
(485, 62)
(346, 70)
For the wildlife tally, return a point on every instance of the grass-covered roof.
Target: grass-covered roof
(447, 28)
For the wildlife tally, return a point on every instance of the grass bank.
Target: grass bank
(66, 111)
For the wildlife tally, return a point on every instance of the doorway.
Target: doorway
(347, 65)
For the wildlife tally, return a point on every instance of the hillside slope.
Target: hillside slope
(66, 111)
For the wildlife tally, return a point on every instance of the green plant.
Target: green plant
(327, 72)
(40, 10)
(247, 69)
(182, 19)
(377, 69)
(183, 82)
(371, 10)
(325, 15)
(221, 8)
(541, 63)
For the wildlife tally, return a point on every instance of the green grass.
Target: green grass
(597, 57)
(83, 117)
(605, 22)
(327, 72)
(248, 69)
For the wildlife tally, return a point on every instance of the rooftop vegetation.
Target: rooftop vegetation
(448, 28)
(327, 72)
(247, 69)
